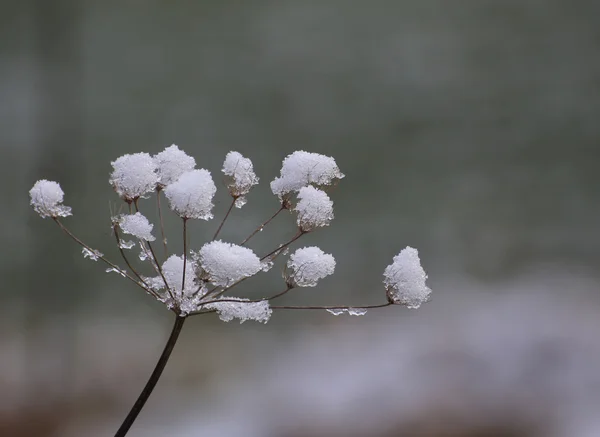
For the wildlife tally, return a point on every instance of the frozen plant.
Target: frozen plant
(198, 282)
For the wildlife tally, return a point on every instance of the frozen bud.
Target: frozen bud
(133, 176)
(172, 270)
(405, 280)
(190, 196)
(227, 263)
(241, 176)
(172, 163)
(307, 265)
(315, 208)
(303, 168)
(136, 225)
(238, 308)
(46, 199)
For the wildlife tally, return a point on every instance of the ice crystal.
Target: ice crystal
(241, 176)
(227, 263)
(350, 311)
(190, 196)
(172, 163)
(239, 308)
(307, 265)
(133, 176)
(303, 168)
(94, 255)
(315, 208)
(115, 270)
(136, 225)
(46, 199)
(405, 280)
(126, 244)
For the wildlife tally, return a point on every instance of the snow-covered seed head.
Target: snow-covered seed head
(136, 225)
(241, 309)
(405, 280)
(226, 263)
(133, 176)
(240, 176)
(315, 208)
(172, 163)
(307, 265)
(303, 168)
(46, 199)
(190, 196)
(172, 270)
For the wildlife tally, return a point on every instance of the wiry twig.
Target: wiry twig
(224, 219)
(184, 254)
(327, 307)
(260, 228)
(284, 245)
(162, 226)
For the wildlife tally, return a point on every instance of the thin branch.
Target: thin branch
(162, 226)
(154, 377)
(224, 218)
(260, 228)
(82, 244)
(116, 231)
(184, 254)
(343, 307)
(284, 245)
(281, 293)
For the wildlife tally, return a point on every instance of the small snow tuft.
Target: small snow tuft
(350, 311)
(303, 168)
(136, 225)
(405, 280)
(242, 309)
(307, 265)
(190, 196)
(172, 163)
(133, 176)
(315, 208)
(227, 263)
(241, 176)
(46, 199)
(172, 270)
(94, 255)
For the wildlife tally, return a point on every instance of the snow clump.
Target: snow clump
(315, 208)
(226, 263)
(133, 176)
(46, 199)
(172, 163)
(241, 309)
(136, 225)
(405, 280)
(190, 196)
(307, 265)
(304, 168)
(241, 176)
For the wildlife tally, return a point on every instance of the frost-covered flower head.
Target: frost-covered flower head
(304, 168)
(172, 163)
(46, 199)
(405, 280)
(241, 176)
(133, 176)
(190, 196)
(226, 263)
(307, 265)
(315, 208)
(136, 225)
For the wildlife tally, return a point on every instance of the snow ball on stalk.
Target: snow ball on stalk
(238, 308)
(307, 265)
(226, 263)
(304, 168)
(136, 225)
(315, 208)
(46, 199)
(172, 163)
(405, 280)
(190, 196)
(133, 176)
(241, 176)
(172, 270)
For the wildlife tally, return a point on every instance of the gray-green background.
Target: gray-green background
(468, 129)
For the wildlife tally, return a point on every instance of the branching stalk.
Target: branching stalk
(224, 219)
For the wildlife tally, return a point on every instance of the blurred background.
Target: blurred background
(468, 129)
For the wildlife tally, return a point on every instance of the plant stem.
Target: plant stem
(224, 219)
(257, 230)
(162, 226)
(184, 254)
(147, 391)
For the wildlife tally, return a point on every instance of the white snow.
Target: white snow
(315, 208)
(172, 163)
(350, 311)
(242, 309)
(133, 175)
(307, 265)
(190, 196)
(46, 199)
(94, 255)
(136, 225)
(405, 280)
(227, 263)
(304, 168)
(172, 270)
(241, 176)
